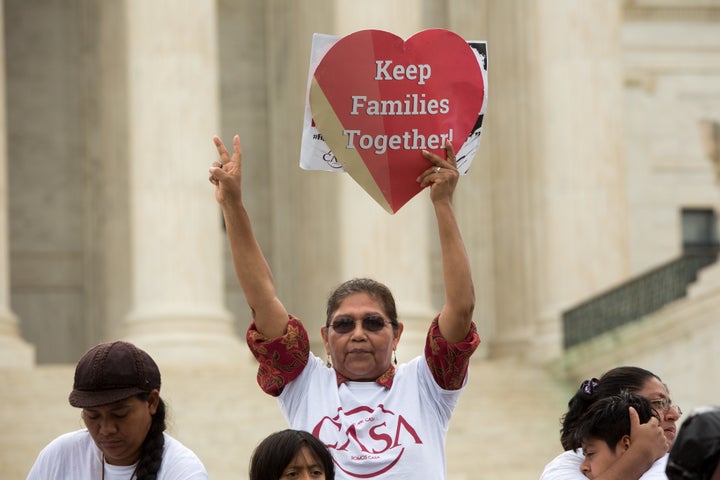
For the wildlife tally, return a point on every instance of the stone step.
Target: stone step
(505, 425)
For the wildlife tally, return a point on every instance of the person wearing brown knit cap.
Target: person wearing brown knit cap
(117, 386)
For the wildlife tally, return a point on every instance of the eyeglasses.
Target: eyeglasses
(369, 323)
(664, 405)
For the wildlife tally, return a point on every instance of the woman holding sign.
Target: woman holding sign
(378, 420)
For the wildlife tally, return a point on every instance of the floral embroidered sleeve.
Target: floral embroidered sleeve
(281, 359)
(449, 362)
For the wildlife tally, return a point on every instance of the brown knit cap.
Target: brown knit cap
(110, 372)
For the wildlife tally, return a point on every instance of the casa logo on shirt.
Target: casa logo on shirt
(367, 442)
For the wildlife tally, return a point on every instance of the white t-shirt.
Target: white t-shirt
(372, 431)
(75, 456)
(566, 466)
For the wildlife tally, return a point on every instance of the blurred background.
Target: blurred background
(590, 211)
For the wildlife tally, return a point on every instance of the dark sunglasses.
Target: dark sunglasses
(347, 325)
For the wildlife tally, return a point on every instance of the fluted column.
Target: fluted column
(14, 352)
(302, 213)
(473, 197)
(325, 228)
(393, 249)
(559, 186)
(177, 272)
(709, 277)
(585, 184)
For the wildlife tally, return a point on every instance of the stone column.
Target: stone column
(511, 142)
(559, 198)
(473, 198)
(709, 277)
(325, 228)
(302, 214)
(14, 352)
(177, 271)
(393, 249)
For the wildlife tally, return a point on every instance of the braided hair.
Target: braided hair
(151, 452)
(613, 382)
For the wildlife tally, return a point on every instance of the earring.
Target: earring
(328, 363)
(394, 357)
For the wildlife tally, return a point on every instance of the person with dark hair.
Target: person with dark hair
(292, 454)
(604, 430)
(695, 455)
(378, 420)
(647, 454)
(117, 385)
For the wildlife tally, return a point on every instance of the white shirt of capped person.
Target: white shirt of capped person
(75, 456)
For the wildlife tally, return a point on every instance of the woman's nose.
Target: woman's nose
(673, 413)
(107, 426)
(359, 330)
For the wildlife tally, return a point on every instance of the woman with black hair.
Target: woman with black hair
(647, 455)
(291, 454)
(117, 385)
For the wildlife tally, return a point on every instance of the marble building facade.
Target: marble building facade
(595, 141)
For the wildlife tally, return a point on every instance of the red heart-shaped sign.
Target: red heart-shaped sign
(379, 100)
